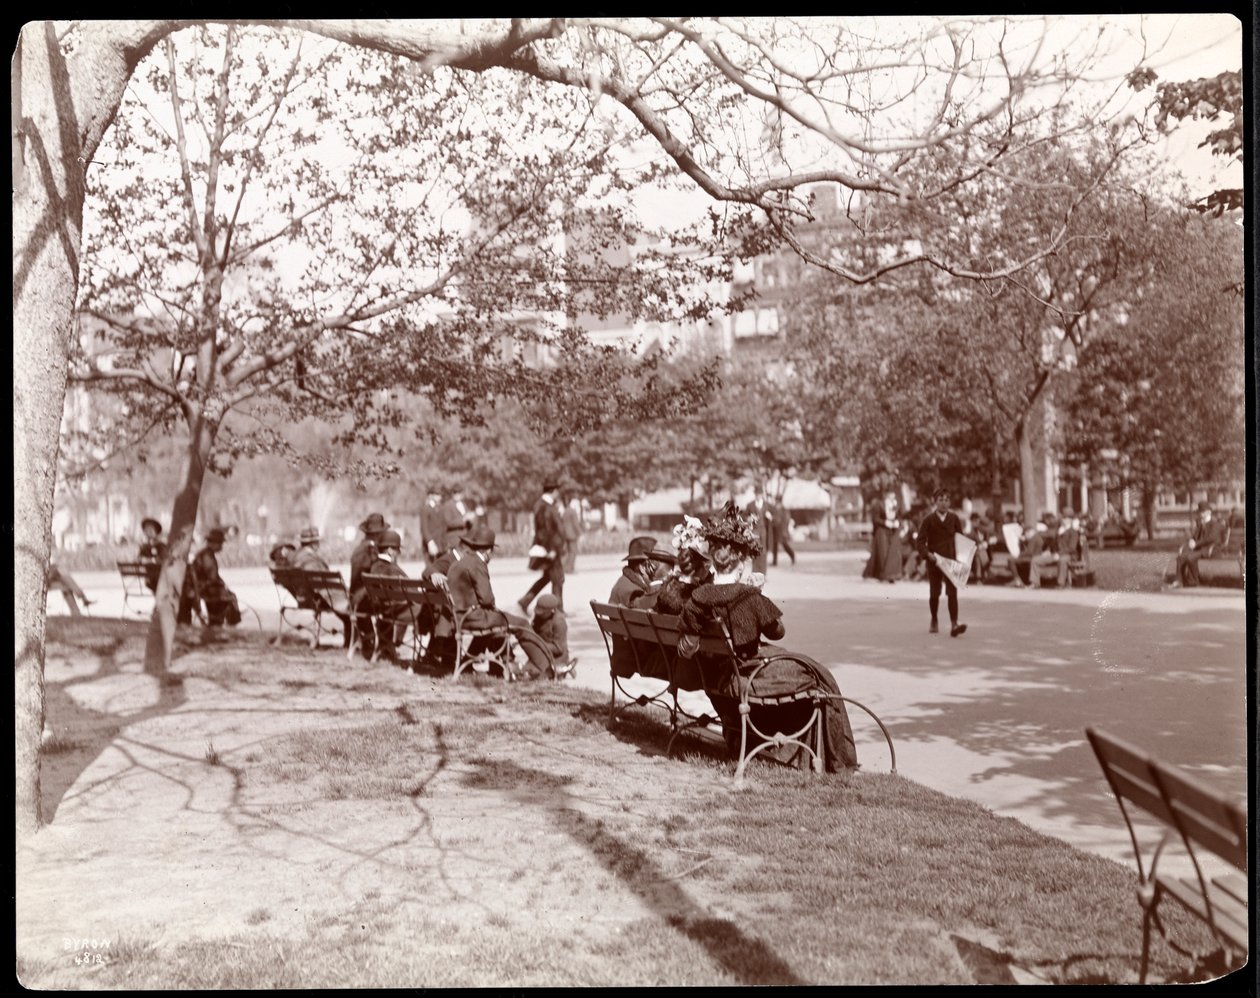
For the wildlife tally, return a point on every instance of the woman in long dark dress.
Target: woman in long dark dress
(734, 597)
(885, 560)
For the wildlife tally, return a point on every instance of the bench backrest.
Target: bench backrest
(660, 628)
(308, 587)
(133, 569)
(1201, 815)
(396, 589)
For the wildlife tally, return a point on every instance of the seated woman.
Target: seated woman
(692, 569)
(735, 598)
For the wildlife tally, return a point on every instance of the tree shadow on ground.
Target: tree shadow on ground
(747, 959)
(113, 643)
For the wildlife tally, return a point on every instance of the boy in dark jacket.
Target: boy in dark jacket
(550, 625)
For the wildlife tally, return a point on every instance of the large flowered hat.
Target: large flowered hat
(689, 535)
(732, 527)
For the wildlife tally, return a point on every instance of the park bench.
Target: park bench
(1003, 566)
(136, 576)
(1200, 817)
(645, 643)
(1227, 566)
(319, 593)
(499, 643)
(193, 589)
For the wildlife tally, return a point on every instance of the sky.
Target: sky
(1177, 46)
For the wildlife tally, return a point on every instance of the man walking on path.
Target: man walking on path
(936, 536)
(549, 535)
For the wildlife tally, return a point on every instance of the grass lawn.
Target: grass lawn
(434, 834)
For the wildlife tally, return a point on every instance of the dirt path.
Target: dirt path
(171, 817)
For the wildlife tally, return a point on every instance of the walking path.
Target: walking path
(998, 715)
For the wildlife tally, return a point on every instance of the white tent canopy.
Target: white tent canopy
(798, 494)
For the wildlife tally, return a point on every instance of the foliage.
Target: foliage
(1206, 99)
(1159, 397)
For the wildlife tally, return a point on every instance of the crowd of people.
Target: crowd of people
(1026, 549)
(711, 575)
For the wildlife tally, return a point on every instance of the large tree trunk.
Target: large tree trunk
(161, 641)
(60, 113)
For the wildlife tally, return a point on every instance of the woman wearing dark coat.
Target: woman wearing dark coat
(735, 598)
(885, 560)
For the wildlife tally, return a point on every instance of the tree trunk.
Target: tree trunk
(59, 114)
(1027, 471)
(996, 486)
(161, 640)
(1148, 510)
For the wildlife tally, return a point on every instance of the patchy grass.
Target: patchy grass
(492, 836)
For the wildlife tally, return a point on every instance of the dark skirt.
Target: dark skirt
(780, 678)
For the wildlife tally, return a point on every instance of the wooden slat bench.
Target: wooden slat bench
(322, 594)
(390, 594)
(644, 643)
(1197, 816)
(499, 644)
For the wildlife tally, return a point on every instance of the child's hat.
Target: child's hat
(547, 602)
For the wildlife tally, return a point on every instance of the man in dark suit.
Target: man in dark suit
(472, 596)
(936, 536)
(203, 580)
(456, 518)
(392, 619)
(432, 527)
(1205, 535)
(780, 533)
(549, 535)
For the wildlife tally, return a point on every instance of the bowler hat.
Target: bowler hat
(1204, 506)
(480, 537)
(641, 548)
(388, 539)
(216, 536)
(662, 554)
(551, 485)
(281, 549)
(374, 524)
(148, 521)
(309, 535)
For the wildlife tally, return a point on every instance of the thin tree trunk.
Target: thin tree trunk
(161, 641)
(996, 489)
(1027, 472)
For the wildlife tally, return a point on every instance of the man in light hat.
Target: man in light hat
(309, 559)
(203, 580)
(1205, 534)
(548, 539)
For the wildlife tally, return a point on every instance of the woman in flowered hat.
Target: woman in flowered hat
(734, 597)
(692, 570)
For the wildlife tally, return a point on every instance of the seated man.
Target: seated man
(980, 530)
(1205, 535)
(392, 618)
(203, 579)
(640, 577)
(309, 559)
(282, 555)
(1033, 554)
(471, 593)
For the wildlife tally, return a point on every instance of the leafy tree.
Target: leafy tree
(679, 82)
(414, 233)
(1162, 386)
(1216, 99)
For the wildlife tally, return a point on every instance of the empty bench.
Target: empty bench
(646, 644)
(1197, 816)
